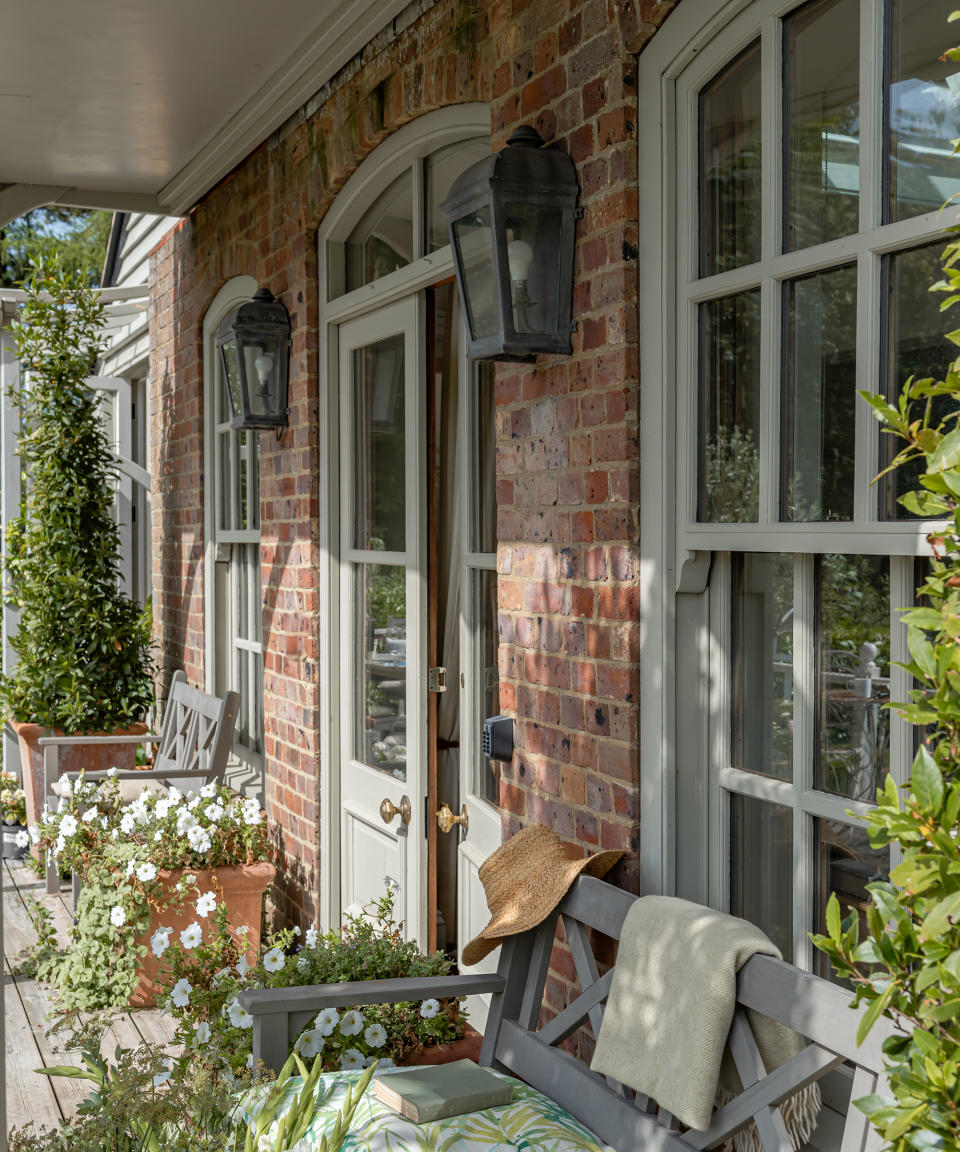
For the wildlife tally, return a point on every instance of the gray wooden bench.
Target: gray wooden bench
(192, 747)
(513, 1042)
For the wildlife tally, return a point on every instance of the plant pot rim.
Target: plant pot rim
(28, 728)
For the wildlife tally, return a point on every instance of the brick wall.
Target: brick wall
(567, 466)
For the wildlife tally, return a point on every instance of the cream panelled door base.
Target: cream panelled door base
(383, 709)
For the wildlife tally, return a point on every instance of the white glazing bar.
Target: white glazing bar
(805, 704)
(868, 379)
(871, 113)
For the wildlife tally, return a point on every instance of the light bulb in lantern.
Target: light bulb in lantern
(263, 363)
(519, 257)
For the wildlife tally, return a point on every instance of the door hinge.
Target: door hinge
(436, 679)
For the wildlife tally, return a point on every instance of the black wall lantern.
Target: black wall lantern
(511, 220)
(254, 345)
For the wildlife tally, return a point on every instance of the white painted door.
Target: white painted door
(383, 724)
(479, 681)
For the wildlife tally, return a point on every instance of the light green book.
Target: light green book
(441, 1091)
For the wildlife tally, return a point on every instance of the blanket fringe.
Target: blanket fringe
(800, 1113)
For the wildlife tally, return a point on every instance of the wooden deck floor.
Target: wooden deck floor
(28, 1013)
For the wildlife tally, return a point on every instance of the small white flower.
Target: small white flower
(375, 1036)
(194, 802)
(90, 815)
(163, 809)
(208, 791)
(160, 941)
(68, 825)
(163, 1077)
(186, 821)
(199, 840)
(66, 787)
(296, 929)
(327, 1020)
(311, 939)
(243, 930)
(115, 834)
(189, 879)
(118, 915)
(351, 1023)
(192, 935)
(385, 1062)
(174, 794)
(181, 993)
(22, 839)
(213, 812)
(309, 1043)
(127, 823)
(273, 960)
(131, 868)
(34, 833)
(239, 1017)
(206, 904)
(250, 1060)
(114, 771)
(243, 966)
(60, 845)
(352, 1058)
(218, 976)
(147, 872)
(203, 1032)
(158, 836)
(302, 963)
(429, 1008)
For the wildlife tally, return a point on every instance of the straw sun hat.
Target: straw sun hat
(524, 880)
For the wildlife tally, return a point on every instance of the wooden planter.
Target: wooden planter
(89, 757)
(240, 887)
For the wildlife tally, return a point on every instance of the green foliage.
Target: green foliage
(77, 237)
(82, 645)
(907, 967)
(370, 946)
(41, 958)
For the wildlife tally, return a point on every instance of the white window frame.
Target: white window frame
(692, 48)
(236, 291)
(406, 149)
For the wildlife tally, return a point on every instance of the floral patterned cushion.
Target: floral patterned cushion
(532, 1122)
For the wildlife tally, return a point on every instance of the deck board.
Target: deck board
(30, 1009)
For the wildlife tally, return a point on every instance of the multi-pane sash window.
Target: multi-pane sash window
(814, 154)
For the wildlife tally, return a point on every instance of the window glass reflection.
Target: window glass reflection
(822, 122)
(761, 868)
(729, 451)
(922, 110)
(381, 659)
(730, 172)
(764, 664)
(379, 467)
(383, 240)
(853, 674)
(486, 676)
(820, 396)
(443, 167)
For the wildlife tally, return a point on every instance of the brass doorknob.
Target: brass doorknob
(388, 809)
(446, 819)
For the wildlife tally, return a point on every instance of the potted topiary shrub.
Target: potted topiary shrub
(83, 663)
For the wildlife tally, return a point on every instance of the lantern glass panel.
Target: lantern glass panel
(231, 374)
(443, 167)
(263, 362)
(533, 251)
(473, 237)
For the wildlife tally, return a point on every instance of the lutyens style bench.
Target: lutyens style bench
(513, 1041)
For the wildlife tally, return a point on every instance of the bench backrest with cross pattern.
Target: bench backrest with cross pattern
(514, 1040)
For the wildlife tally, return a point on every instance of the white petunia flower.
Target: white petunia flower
(239, 1017)
(180, 995)
(206, 904)
(243, 966)
(147, 872)
(250, 1060)
(327, 1020)
(158, 835)
(162, 810)
(127, 823)
(34, 833)
(375, 1036)
(429, 1008)
(114, 771)
(384, 1062)
(174, 794)
(352, 1059)
(302, 963)
(208, 791)
(199, 839)
(66, 787)
(22, 839)
(131, 868)
(68, 825)
(213, 812)
(160, 941)
(185, 821)
(203, 1032)
(118, 915)
(60, 845)
(194, 802)
(191, 936)
(351, 1023)
(273, 960)
(163, 1077)
(312, 938)
(309, 1043)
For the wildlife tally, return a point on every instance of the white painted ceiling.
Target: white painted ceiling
(145, 104)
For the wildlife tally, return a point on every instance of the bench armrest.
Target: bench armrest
(280, 1013)
(70, 741)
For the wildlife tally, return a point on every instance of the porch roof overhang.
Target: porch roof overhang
(144, 107)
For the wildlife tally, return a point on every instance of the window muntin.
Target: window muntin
(792, 294)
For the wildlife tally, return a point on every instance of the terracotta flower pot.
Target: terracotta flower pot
(240, 887)
(89, 757)
(466, 1048)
